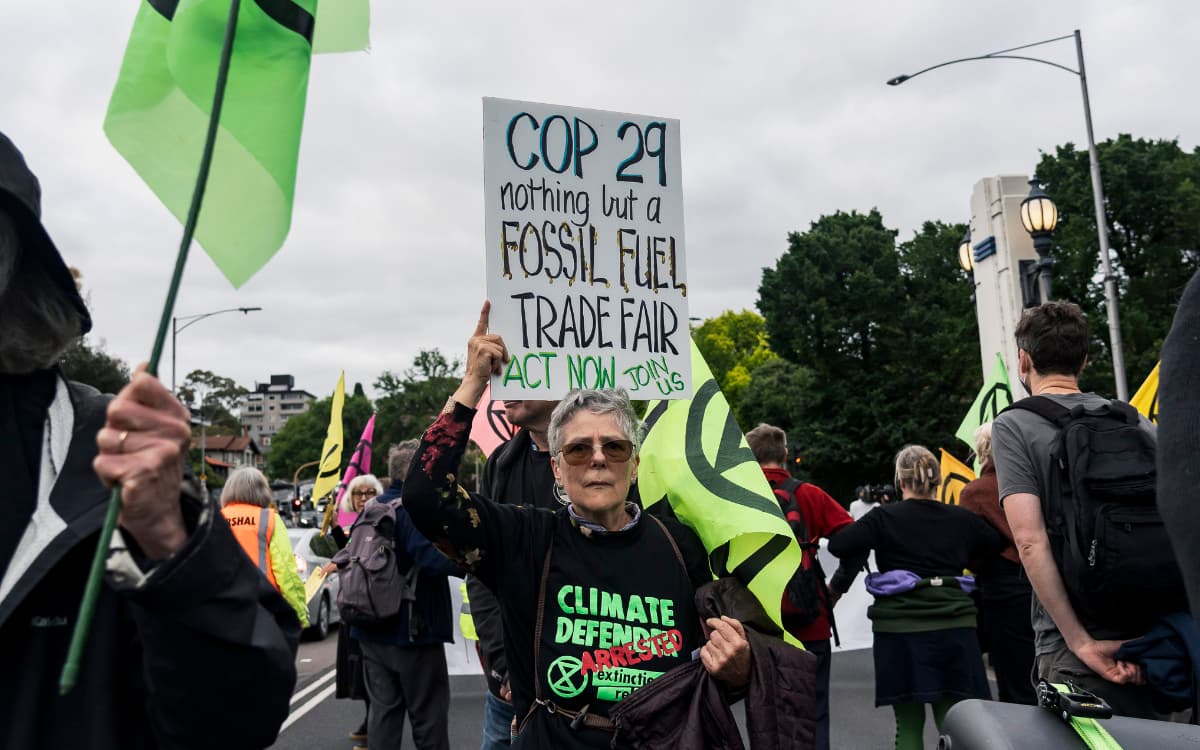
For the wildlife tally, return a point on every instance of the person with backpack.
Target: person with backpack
(807, 605)
(1076, 481)
(926, 649)
(395, 597)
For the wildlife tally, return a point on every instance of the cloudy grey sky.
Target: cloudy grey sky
(784, 117)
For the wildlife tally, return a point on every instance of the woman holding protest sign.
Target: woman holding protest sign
(597, 598)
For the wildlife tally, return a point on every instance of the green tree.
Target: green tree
(1152, 208)
(881, 344)
(301, 439)
(412, 400)
(734, 344)
(212, 397)
(95, 367)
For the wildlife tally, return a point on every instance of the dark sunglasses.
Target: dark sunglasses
(577, 454)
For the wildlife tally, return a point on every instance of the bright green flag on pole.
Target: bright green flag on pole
(994, 396)
(696, 458)
(160, 108)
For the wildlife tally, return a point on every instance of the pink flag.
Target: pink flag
(490, 427)
(360, 463)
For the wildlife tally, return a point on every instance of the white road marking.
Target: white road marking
(294, 716)
(314, 685)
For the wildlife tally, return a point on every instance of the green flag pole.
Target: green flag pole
(87, 607)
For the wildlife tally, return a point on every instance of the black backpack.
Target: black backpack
(1107, 537)
(806, 593)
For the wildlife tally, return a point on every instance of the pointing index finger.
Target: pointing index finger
(481, 327)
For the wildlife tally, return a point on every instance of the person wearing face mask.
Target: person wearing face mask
(1052, 343)
(596, 597)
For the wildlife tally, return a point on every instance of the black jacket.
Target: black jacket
(199, 654)
(686, 709)
(516, 476)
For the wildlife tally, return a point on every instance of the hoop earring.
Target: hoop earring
(560, 494)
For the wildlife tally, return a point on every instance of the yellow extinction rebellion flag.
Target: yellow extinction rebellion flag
(696, 458)
(331, 452)
(955, 475)
(1146, 398)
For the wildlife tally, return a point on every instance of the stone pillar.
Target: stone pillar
(1000, 245)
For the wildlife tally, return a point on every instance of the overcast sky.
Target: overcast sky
(783, 112)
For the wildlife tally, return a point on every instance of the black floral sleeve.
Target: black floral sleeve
(468, 529)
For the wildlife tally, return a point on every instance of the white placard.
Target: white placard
(585, 252)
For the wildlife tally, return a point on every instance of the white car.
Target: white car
(322, 608)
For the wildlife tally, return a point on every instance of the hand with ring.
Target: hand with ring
(143, 446)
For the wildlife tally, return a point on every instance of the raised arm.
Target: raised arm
(463, 527)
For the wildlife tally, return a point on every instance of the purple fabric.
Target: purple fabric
(898, 581)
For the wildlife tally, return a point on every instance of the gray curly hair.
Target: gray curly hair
(614, 401)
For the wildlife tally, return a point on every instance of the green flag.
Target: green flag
(696, 457)
(342, 26)
(162, 100)
(993, 397)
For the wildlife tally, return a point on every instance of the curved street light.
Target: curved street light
(1110, 281)
(188, 320)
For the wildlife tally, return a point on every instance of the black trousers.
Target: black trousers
(1004, 605)
(412, 681)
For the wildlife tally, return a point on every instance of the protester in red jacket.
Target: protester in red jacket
(822, 517)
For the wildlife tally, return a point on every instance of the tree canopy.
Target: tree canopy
(213, 398)
(409, 403)
(1152, 207)
(881, 341)
(734, 344)
(301, 438)
(95, 367)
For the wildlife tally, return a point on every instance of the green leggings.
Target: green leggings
(910, 722)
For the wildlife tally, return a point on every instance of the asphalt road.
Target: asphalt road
(320, 721)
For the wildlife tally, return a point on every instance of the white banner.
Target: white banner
(585, 251)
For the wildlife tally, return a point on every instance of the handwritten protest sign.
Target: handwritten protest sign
(585, 250)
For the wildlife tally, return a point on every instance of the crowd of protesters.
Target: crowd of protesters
(210, 592)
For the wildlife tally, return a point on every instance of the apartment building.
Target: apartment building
(266, 409)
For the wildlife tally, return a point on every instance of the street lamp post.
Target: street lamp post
(1039, 216)
(1110, 281)
(188, 320)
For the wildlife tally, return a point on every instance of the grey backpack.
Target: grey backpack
(372, 588)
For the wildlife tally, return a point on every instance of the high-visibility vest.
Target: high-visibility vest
(466, 623)
(253, 527)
